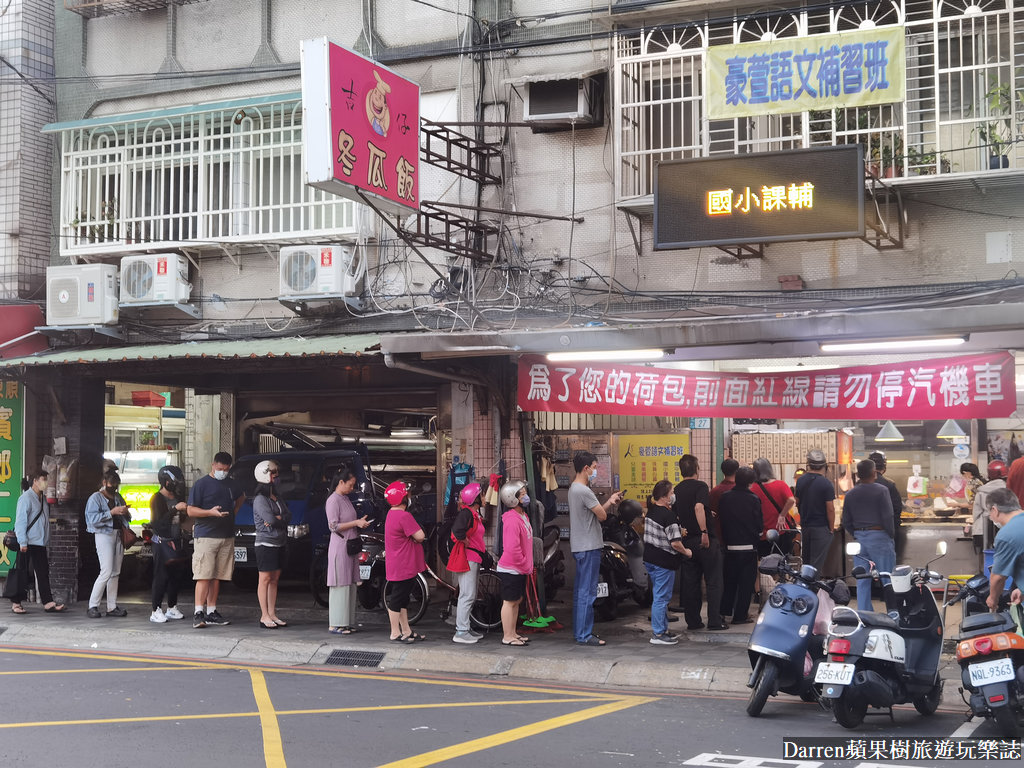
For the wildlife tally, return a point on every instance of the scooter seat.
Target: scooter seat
(988, 622)
(877, 620)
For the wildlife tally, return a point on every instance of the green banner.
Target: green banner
(12, 460)
(816, 72)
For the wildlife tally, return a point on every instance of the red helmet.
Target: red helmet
(395, 493)
(470, 494)
(996, 469)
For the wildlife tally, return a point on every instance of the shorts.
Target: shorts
(213, 559)
(269, 558)
(513, 586)
(401, 591)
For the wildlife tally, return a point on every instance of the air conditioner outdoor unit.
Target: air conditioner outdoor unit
(563, 102)
(81, 294)
(154, 278)
(321, 271)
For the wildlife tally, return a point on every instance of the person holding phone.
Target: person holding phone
(342, 568)
(105, 514)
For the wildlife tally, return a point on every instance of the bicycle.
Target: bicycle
(485, 613)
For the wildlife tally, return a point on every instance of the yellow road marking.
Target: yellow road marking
(273, 750)
(113, 720)
(103, 669)
(515, 734)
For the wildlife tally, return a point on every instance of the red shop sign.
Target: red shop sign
(973, 386)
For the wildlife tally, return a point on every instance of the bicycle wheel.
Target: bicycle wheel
(486, 610)
(418, 599)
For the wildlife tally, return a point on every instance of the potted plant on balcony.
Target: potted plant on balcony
(996, 132)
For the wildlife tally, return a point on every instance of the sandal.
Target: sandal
(517, 643)
(56, 608)
(348, 630)
(280, 623)
(335, 630)
(406, 639)
(18, 610)
(592, 640)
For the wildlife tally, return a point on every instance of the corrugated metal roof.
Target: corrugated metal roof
(314, 346)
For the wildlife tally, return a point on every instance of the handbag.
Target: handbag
(128, 537)
(354, 546)
(18, 579)
(11, 542)
(457, 560)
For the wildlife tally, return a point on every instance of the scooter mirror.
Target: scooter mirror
(860, 572)
(853, 548)
(772, 535)
(940, 548)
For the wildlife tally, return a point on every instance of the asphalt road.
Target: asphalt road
(99, 709)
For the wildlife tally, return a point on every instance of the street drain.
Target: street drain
(355, 658)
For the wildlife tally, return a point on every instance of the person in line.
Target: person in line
(815, 498)
(742, 523)
(663, 547)
(586, 541)
(976, 528)
(342, 568)
(1008, 558)
(469, 529)
(403, 560)
(1015, 477)
(516, 561)
(32, 527)
(213, 502)
(691, 508)
(728, 467)
(776, 503)
(166, 509)
(105, 514)
(867, 516)
(972, 482)
(900, 538)
(270, 516)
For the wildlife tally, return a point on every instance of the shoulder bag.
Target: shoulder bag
(11, 538)
(783, 523)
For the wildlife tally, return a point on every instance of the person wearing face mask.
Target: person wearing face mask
(1008, 559)
(105, 514)
(663, 545)
(32, 527)
(586, 540)
(213, 502)
(740, 513)
(270, 516)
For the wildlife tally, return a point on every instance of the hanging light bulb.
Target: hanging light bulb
(951, 431)
(889, 434)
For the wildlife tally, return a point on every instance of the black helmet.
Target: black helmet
(173, 479)
(630, 510)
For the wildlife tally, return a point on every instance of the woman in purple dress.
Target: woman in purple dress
(342, 568)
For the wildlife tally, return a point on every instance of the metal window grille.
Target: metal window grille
(197, 180)
(963, 114)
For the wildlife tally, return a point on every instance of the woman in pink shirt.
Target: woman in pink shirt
(516, 562)
(403, 560)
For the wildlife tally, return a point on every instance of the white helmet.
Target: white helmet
(509, 493)
(263, 470)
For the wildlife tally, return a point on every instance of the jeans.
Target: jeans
(662, 581)
(584, 592)
(467, 596)
(816, 541)
(110, 553)
(876, 546)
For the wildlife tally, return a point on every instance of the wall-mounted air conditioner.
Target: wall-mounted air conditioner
(154, 278)
(564, 102)
(81, 294)
(321, 271)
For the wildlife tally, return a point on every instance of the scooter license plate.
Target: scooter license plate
(364, 572)
(830, 672)
(602, 589)
(995, 671)
(241, 556)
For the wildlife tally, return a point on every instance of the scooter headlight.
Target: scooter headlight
(777, 599)
(801, 605)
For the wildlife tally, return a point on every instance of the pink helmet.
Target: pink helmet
(395, 493)
(470, 494)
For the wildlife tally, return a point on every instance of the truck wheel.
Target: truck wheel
(318, 579)
(848, 713)
(763, 688)
(928, 703)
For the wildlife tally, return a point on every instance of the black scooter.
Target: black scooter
(617, 575)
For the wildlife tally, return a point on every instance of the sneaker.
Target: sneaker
(477, 635)
(117, 611)
(94, 613)
(214, 617)
(174, 613)
(465, 638)
(665, 638)
(199, 620)
(157, 617)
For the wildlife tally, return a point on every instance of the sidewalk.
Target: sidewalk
(702, 661)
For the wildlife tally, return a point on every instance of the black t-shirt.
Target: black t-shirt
(813, 492)
(894, 497)
(739, 511)
(689, 494)
(160, 516)
(207, 493)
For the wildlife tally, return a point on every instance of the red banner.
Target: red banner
(974, 386)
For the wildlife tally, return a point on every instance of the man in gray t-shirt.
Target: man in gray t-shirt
(586, 541)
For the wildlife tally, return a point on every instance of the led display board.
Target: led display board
(803, 194)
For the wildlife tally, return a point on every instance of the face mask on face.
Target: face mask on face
(524, 499)
(593, 474)
(220, 474)
(671, 499)
(110, 489)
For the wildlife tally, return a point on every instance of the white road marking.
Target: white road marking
(714, 760)
(965, 730)
(618, 754)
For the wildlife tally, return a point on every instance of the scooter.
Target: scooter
(618, 572)
(877, 659)
(788, 640)
(990, 652)
(371, 571)
(554, 562)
